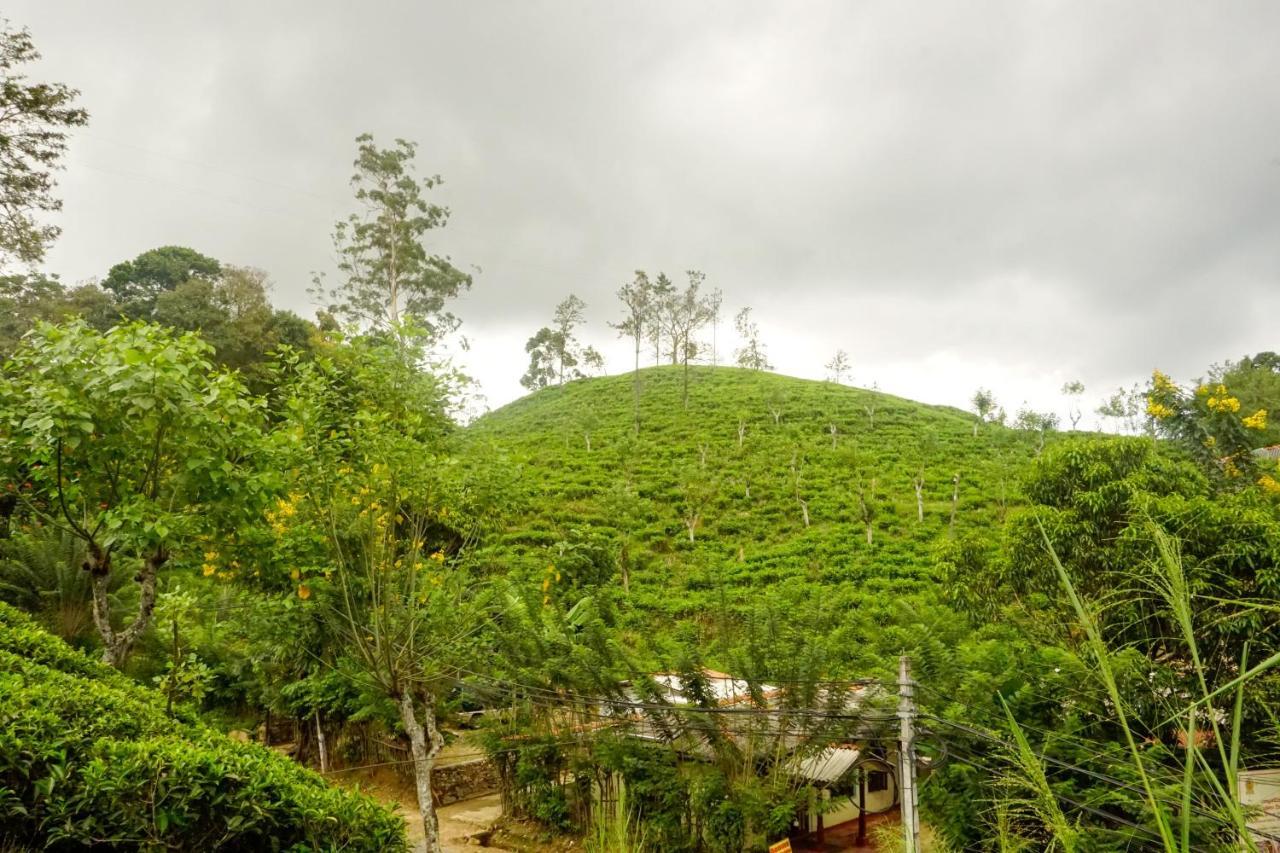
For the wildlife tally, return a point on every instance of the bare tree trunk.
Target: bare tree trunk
(742, 430)
(975, 427)
(587, 436)
(635, 384)
(624, 565)
(918, 482)
(831, 428)
(321, 745)
(424, 744)
(685, 379)
(702, 456)
(116, 645)
(955, 498)
(804, 510)
(691, 524)
(8, 503)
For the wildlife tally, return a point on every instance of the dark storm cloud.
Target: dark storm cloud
(1011, 193)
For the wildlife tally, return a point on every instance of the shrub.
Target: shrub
(89, 758)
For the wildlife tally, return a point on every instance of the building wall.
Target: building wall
(846, 808)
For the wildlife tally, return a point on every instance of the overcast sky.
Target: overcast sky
(958, 194)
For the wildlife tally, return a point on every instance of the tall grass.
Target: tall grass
(1204, 787)
(614, 828)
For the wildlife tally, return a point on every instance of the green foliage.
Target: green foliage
(139, 283)
(87, 757)
(390, 280)
(131, 440)
(234, 316)
(41, 572)
(34, 119)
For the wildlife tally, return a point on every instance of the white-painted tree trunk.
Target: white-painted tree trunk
(424, 744)
(322, 746)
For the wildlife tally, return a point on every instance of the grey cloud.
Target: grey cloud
(1087, 187)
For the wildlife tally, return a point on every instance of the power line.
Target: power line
(1117, 819)
(1101, 777)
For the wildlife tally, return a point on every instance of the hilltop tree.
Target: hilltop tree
(1125, 408)
(133, 443)
(715, 300)
(553, 350)
(592, 362)
(635, 297)
(838, 367)
(390, 282)
(1073, 391)
(661, 294)
(984, 406)
(688, 312)
(1041, 423)
(751, 355)
(568, 316)
(138, 283)
(542, 349)
(34, 119)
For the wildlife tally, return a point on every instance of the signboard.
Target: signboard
(783, 846)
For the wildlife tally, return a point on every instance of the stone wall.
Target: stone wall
(464, 780)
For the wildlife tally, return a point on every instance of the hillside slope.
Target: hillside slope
(704, 511)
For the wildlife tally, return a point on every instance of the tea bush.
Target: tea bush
(89, 758)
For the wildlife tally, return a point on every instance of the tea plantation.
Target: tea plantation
(766, 491)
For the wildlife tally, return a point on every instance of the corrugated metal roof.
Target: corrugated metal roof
(827, 766)
(724, 688)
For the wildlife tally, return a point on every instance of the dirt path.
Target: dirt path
(458, 821)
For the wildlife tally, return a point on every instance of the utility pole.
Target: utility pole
(907, 756)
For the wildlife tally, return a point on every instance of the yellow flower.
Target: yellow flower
(1158, 410)
(1223, 404)
(1258, 420)
(1269, 484)
(210, 556)
(208, 569)
(1210, 442)
(304, 591)
(438, 556)
(1229, 468)
(1162, 383)
(295, 575)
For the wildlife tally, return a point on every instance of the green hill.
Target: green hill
(704, 511)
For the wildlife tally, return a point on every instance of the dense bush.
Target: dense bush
(88, 758)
